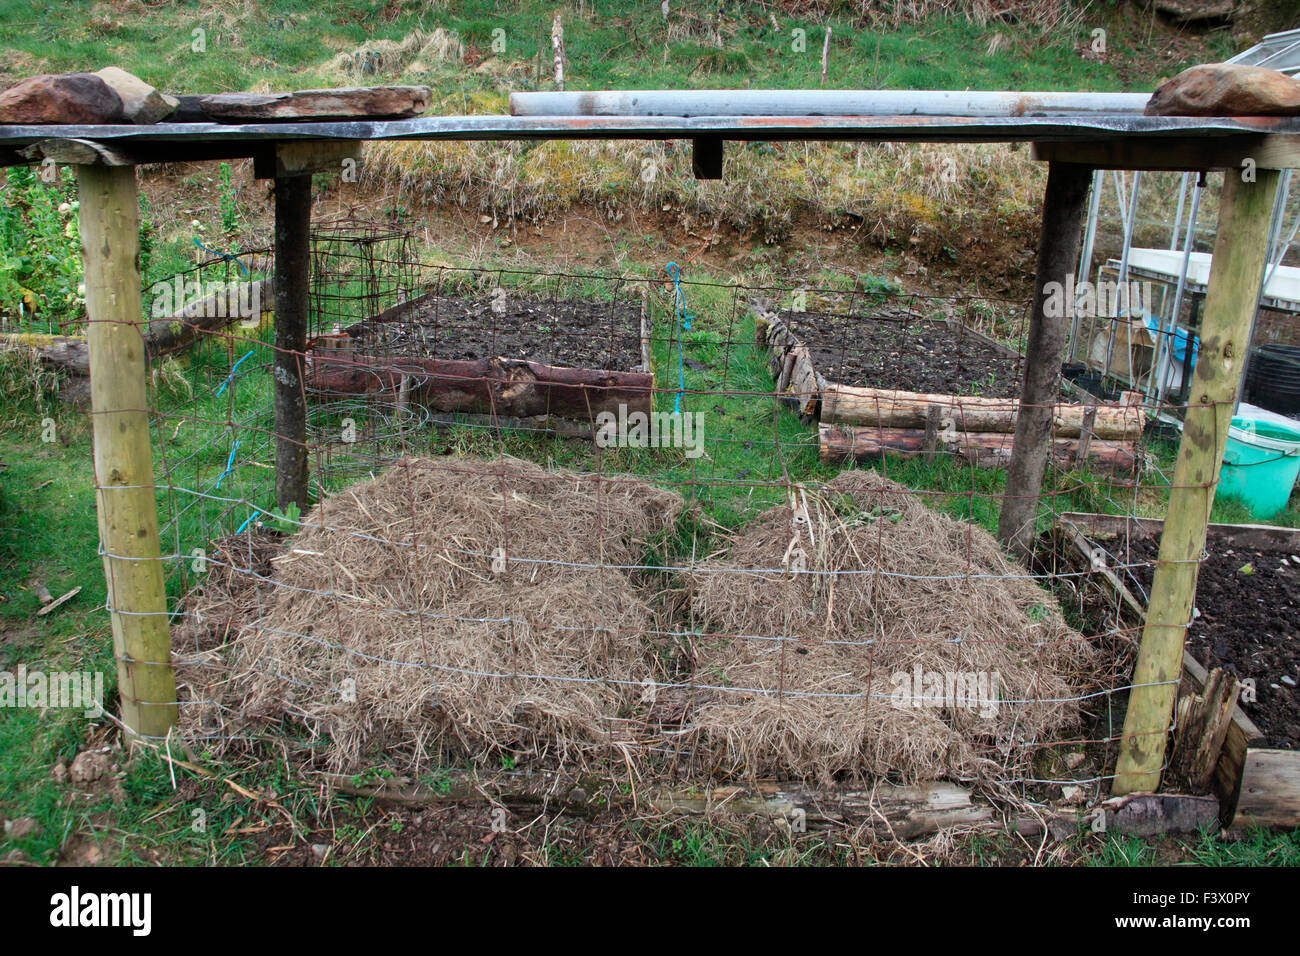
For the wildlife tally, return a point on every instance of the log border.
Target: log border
(801, 387)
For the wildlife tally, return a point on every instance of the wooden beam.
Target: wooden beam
(1058, 251)
(1235, 274)
(1270, 791)
(128, 517)
(706, 157)
(303, 157)
(292, 275)
(1269, 151)
(81, 152)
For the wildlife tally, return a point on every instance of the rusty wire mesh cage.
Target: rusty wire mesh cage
(497, 561)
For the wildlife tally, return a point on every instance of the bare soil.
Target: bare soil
(890, 348)
(568, 332)
(1249, 624)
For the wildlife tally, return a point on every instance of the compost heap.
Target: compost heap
(399, 618)
(840, 696)
(385, 630)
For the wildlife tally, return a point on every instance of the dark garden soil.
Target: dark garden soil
(893, 349)
(1249, 624)
(568, 332)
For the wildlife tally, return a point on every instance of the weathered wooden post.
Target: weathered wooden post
(292, 277)
(291, 166)
(1058, 250)
(1235, 276)
(124, 482)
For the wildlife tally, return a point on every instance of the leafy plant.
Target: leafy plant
(231, 219)
(288, 523)
(40, 249)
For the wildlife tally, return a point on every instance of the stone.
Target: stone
(22, 828)
(89, 766)
(60, 771)
(1226, 89)
(140, 101)
(356, 102)
(66, 98)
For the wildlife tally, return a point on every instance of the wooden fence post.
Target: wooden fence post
(119, 401)
(1058, 251)
(292, 275)
(1235, 275)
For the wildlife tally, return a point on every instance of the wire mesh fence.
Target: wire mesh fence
(700, 530)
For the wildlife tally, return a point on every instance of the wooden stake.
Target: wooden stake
(557, 47)
(1086, 431)
(1235, 273)
(119, 401)
(293, 269)
(826, 54)
(1058, 251)
(1203, 722)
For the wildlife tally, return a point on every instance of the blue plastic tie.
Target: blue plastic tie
(683, 321)
(256, 511)
(224, 256)
(233, 369)
(230, 463)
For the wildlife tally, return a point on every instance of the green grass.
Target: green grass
(47, 519)
(47, 529)
(282, 43)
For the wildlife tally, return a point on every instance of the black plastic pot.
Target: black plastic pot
(1093, 382)
(1273, 378)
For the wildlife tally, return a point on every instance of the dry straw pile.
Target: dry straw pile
(438, 608)
(840, 696)
(406, 617)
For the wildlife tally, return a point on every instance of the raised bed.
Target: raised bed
(513, 358)
(899, 384)
(1257, 774)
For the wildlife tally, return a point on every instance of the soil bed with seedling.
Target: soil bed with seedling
(897, 384)
(1249, 623)
(1244, 629)
(572, 333)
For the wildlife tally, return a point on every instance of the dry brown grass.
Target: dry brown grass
(898, 190)
(389, 635)
(946, 601)
(385, 631)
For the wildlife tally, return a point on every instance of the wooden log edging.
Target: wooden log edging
(863, 443)
(886, 810)
(895, 408)
(515, 388)
(798, 383)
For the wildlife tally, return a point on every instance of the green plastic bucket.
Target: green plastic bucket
(1260, 464)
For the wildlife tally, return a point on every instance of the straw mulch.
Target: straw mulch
(948, 601)
(404, 620)
(468, 608)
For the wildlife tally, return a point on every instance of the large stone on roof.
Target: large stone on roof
(140, 101)
(72, 98)
(1226, 89)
